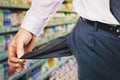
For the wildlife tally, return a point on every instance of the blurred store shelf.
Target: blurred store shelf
(18, 75)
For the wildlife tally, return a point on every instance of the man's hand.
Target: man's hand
(22, 43)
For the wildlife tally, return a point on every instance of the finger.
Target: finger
(14, 65)
(11, 68)
(17, 70)
(12, 53)
(24, 67)
(12, 49)
(16, 60)
(11, 71)
(20, 68)
(20, 49)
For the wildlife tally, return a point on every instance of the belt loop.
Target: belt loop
(96, 26)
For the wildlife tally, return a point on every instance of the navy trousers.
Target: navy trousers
(97, 52)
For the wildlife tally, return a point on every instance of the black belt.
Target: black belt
(114, 29)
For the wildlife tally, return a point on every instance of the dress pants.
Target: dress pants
(97, 52)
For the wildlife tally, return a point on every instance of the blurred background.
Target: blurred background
(12, 13)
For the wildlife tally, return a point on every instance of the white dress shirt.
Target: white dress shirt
(41, 10)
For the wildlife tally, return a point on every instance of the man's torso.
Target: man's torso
(95, 10)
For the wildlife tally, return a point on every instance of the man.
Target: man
(94, 41)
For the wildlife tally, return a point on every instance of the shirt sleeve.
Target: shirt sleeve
(38, 15)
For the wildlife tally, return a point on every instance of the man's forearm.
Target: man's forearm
(38, 15)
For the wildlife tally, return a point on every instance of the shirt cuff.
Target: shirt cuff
(33, 24)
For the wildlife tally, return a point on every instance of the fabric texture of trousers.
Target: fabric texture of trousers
(97, 52)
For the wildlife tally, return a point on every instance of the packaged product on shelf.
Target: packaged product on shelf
(5, 70)
(44, 69)
(59, 18)
(48, 33)
(14, 19)
(21, 15)
(13, 3)
(51, 62)
(27, 3)
(1, 1)
(70, 27)
(7, 41)
(1, 18)
(20, 3)
(65, 71)
(16, 3)
(35, 74)
(49, 66)
(2, 43)
(1, 72)
(32, 74)
(30, 62)
(24, 3)
(4, 2)
(60, 30)
(17, 18)
(7, 17)
(66, 7)
(53, 32)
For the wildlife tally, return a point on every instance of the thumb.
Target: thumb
(20, 49)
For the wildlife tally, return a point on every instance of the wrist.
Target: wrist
(34, 37)
(26, 32)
